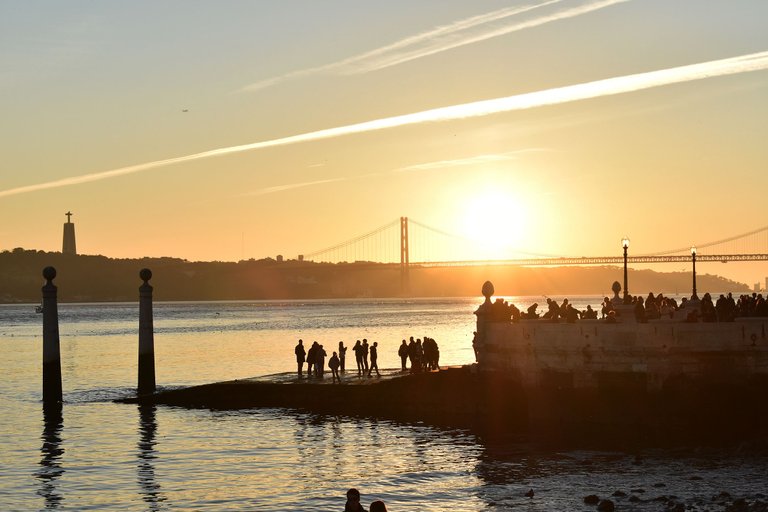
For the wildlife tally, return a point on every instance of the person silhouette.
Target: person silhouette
(311, 354)
(333, 364)
(378, 506)
(365, 355)
(300, 355)
(358, 350)
(374, 359)
(320, 360)
(403, 353)
(342, 356)
(353, 501)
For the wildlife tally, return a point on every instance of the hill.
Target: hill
(84, 278)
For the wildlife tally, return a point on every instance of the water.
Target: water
(98, 455)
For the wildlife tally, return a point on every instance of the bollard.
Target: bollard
(146, 336)
(51, 351)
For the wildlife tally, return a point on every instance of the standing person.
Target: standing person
(311, 359)
(300, 355)
(403, 353)
(333, 364)
(353, 501)
(342, 356)
(412, 354)
(358, 350)
(374, 359)
(320, 361)
(365, 354)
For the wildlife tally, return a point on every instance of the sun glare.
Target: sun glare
(495, 220)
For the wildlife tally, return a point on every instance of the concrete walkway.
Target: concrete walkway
(349, 378)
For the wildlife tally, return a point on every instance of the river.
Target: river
(99, 455)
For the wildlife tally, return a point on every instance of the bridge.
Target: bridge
(410, 242)
(407, 242)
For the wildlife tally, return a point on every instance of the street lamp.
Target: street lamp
(625, 245)
(693, 257)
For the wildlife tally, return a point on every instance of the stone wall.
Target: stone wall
(590, 352)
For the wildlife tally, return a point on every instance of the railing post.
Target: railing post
(146, 336)
(51, 350)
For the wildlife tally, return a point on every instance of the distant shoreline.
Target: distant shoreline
(88, 278)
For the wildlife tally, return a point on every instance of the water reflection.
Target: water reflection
(145, 469)
(51, 451)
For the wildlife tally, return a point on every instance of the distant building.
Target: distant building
(279, 258)
(756, 287)
(301, 258)
(69, 247)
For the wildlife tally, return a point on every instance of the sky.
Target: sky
(231, 130)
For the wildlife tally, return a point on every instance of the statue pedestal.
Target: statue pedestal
(625, 313)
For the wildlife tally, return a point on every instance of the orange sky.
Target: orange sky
(566, 162)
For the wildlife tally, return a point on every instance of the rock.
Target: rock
(605, 506)
(619, 494)
(635, 499)
(529, 494)
(592, 499)
(723, 496)
(675, 507)
(739, 505)
(659, 485)
(637, 490)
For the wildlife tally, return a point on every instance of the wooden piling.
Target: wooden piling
(52, 392)
(146, 336)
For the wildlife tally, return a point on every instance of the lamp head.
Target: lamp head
(625, 242)
(693, 250)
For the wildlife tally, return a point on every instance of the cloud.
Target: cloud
(446, 37)
(558, 95)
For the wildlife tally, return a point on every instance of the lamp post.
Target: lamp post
(625, 245)
(693, 257)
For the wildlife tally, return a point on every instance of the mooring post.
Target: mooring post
(51, 351)
(146, 336)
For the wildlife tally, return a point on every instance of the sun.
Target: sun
(494, 220)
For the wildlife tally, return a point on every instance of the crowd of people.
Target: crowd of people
(652, 307)
(423, 356)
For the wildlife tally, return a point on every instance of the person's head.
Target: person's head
(341, 344)
(334, 354)
(375, 343)
(365, 340)
(378, 506)
(353, 496)
(301, 342)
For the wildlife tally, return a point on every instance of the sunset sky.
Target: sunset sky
(230, 129)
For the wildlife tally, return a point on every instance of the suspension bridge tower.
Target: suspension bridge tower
(404, 261)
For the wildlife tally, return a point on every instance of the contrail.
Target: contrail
(291, 186)
(558, 95)
(438, 40)
(467, 161)
(365, 66)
